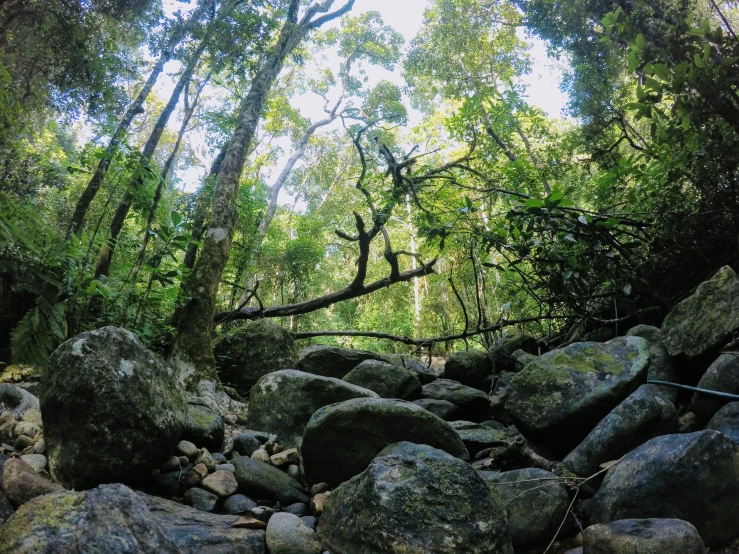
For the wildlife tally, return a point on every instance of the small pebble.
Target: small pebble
(317, 503)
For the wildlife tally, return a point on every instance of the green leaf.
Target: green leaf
(699, 63)
(176, 218)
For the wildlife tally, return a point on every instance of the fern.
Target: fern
(38, 333)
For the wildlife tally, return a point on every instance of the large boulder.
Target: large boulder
(440, 408)
(501, 353)
(536, 501)
(341, 439)
(693, 477)
(661, 365)
(332, 361)
(415, 499)
(645, 414)
(473, 404)
(262, 481)
(726, 421)
(425, 373)
(723, 376)
(16, 400)
(559, 398)
(110, 518)
(112, 410)
(643, 536)
(477, 437)
(704, 320)
(387, 380)
(470, 367)
(254, 350)
(282, 402)
(203, 426)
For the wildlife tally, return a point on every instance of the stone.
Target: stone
(299, 509)
(293, 471)
(172, 464)
(469, 367)
(222, 483)
(645, 414)
(385, 379)
(32, 415)
(40, 446)
(238, 504)
(16, 400)
(283, 402)
(20, 483)
(247, 442)
(310, 521)
(218, 458)
(723, 376)
(203, 427)
(536, 502)
(342, 439)
(112, 410)
(262, 513)
(206, 459)
(440, 408)
(265, 482)
(187, 449)
(227, 446)
(193, 477)
(415, 498)
(522, 359)
(285, 457)
(661, 366)
(693, 477)
(6, 510)
(37, 462)
(644, 536)
(22, 442)
(226, 467)
(196, 532)
(501, 353)
(172, 483)
(478, 437)
(318, 502)
(332, 361)
(7, 430)
(287, 534)
(318, 488)
(262, 455)
(245, 355)
(473, 404)
(425, 373)
(109, 518)
(561, 396)
(27, 429)
(704, 320)
(201, 499)
(726, 421)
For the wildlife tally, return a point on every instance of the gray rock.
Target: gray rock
(560, 397)
(501, 354)
(645, 536)
(37, 462)
(201, 499)
(265, 482)
(110, 518)
(238, 504)
(661, 366)
(252, 351)
(499, 395)
(522, 359)
(223, 483)
(332, 361)
(287, 534)
(16, 400)
(283, 402)
(440, 408)
(705, 319)
(722, 375)
(536, 502)
(247, 442)
(342, 439)
(206, 459)
(112, 410)
(693, 477)
(310, 521)
(196, 532)
(187, 449)
(203, 427)
(424, 373)
(385, 379)
(20, 483)
(726, 421)
(226, 467)
(645, 414)
(6, 510)
(478, 437)
(469, 367)
(299, 509)
(415, 498)
(473, 404)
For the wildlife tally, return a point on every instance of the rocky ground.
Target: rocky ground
(530, 447)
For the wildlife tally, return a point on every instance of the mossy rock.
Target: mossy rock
(16, 400)
(387, 380)
(661, 365)
(726, 420)
(469, 367)
(645, 536)
(559, 398)
(501, 352)
(262, 481)
(249, 352)
(333, 361)
(473, 404)
(722, 375)
(415, 499)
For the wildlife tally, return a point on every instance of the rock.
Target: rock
(341, 439)
(27, 429)
(187, 449)
(285, 457)
(318, 502)
(172, 464)
(283, 402)
(536, 502)
(238, 504)
(201, 499)
(112, 410)
(206, 459)
(252, 351)
(222, 483)
(261, 455)
(20, 483)
(645, 536)
(6, 510)
(16, 400)
(424, 373)
(645, 414)
(287, 534)
(203, 427)
(39, 447)
(726, 421)
(473, 404)
(226, 467)
(110, 518)
(318, 488)
(661, 366)
(723, 376)
(32, 416)
(478, 437)
(298, 509)
(332, 361)
(22, 442)
(262, 513)
(293, 471)
(218, 458)
(415, 498)
(522, 359)
(705, 319)
(310, 521)
(469, 367)
(560, 397)
(196, 532)
(171, 483)
(387, 380)
(37, 462)
(247, 442)
(693, 477)
(500, 393)
(265, 482)
(501, 354)
(7, 430)
(440, 408)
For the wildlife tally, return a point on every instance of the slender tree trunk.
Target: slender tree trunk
(535, 158)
